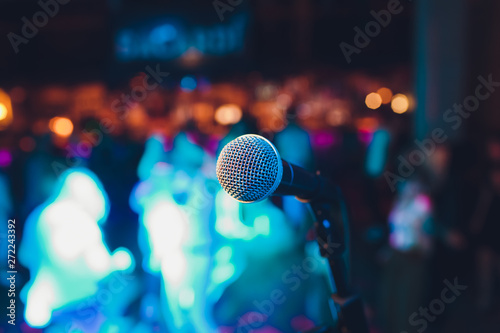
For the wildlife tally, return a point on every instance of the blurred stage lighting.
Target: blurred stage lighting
(400, 103)
(373, 101)
(163, 34)
(228, 114)
(65, 250)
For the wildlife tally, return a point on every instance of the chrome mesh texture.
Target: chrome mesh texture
(249, 168)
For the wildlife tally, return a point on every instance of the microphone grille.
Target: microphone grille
(249, 168)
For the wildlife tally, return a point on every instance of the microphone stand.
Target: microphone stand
(332, 233)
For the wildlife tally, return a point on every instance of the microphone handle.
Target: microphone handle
(299, 182)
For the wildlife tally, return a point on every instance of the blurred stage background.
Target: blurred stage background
(112, 114)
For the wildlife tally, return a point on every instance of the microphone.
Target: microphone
(250, 169)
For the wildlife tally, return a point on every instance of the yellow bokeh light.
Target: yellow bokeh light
(61, 126)
(228, 114)
(6, 115)
(385, 94)
(3, 111)
(400, 103)
(373, 101)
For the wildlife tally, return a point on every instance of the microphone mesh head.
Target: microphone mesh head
(249, 168)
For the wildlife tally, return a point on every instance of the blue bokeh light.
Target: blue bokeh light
(188, 83)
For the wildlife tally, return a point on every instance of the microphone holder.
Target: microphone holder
(332, 233)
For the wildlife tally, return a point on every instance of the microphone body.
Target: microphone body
(302, 184)
(250, 169)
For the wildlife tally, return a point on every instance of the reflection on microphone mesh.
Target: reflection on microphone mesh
(249, 168)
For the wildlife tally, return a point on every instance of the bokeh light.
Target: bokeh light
(5, 158)
(188, 83)
(163, 34)
(284, 101)
(385, 94)
(336, 117)
(373, 101)
(61, 126)
(203, 112)
(191, 57)
(6, 115)
(228, 114)
(3, 111)
(400, 103)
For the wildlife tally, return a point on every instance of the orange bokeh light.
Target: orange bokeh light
(3, 111)
(228, 114)
(61, 126)
(385, 94)
(373, 101)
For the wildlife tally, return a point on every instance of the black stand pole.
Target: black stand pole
(332, 233)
